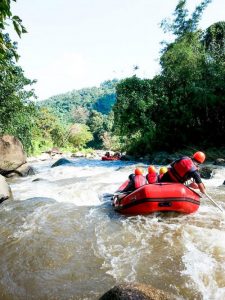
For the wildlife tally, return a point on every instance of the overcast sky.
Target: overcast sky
(73, 44)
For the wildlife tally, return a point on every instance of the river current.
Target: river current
(61, 239)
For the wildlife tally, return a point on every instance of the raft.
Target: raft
(110, 158)
(157, 197)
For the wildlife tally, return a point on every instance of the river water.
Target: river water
(61, 239)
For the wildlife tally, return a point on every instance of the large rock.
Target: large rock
(12, 154)
(136, 291)
(22, 171)
(5, 191)
(61, 162)
(206, 172)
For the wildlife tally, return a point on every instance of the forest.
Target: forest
(182, 107)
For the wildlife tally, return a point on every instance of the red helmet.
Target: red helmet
(199, 157)
(151, 169)
(138, 171)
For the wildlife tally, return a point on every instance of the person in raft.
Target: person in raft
(152, 176)
(162, 171)
(107, 154)
(184, 169)
(136, 180)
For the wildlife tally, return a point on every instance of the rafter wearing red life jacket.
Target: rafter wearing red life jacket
(152, 177)
(181, 168)
(139, 180)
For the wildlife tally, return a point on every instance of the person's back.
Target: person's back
(136, 180)
(162, 171)
(152, 176)
(184, 169)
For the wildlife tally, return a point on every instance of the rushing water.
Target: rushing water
(61, 239)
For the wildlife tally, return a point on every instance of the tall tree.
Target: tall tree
(5, 17)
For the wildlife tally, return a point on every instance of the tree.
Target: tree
(79, 135)
(133, 113)
(214, 41)
(16, 111)
(6, 15)
(181, 24)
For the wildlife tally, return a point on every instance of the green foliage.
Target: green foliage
(16, 111)
(6, 15)
(66, 105)
(185, 104)
(214, 41)
(79, 135)
(181, 24)
(48, 131)
(133, 112)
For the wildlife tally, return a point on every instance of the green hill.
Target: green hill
(65, 106)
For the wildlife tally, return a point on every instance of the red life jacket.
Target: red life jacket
(139, 180)
(152, 177)
(181, 168)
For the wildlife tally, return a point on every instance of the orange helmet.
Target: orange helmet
(138, 171)
(199, 157)
(163, 170)
(151, 169)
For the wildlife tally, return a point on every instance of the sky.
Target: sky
(74, 44)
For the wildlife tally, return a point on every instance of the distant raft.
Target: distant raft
(157, 197)
(110, 158)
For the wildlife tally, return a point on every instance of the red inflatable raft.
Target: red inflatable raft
(110, 158)
(157, 197)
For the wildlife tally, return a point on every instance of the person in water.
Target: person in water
(136, 180)
(184, 169)
(152, 176)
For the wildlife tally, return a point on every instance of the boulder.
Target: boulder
(127, 157)
(44, 156)
(219, 162)
(25, 170)
(12, 154)
(61, 162)
(78, 154)
(54, 151)
(5, 191)
(136, 291)
(206, 172)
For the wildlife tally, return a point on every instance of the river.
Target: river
(61, 239)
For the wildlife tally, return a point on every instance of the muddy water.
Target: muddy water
(61, 239)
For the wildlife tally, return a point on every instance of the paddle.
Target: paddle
(210, 198)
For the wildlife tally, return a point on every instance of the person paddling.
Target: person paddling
(152, 176)
(162, 171)
(136, 180)
(185, 168)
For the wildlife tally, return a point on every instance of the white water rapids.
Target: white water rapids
(61, 239)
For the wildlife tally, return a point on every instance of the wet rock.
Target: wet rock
(25, 170)
(39, 179)
(22, 171)
(206, 172)
(219, 162)
(162, 158)
(127, 157)
(12, 154)
(44, 156)
(54, 151)
(136, 291)
(5, 190)
(78, 154)
(61, 162)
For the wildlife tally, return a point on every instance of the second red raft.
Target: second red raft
(158, 197)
